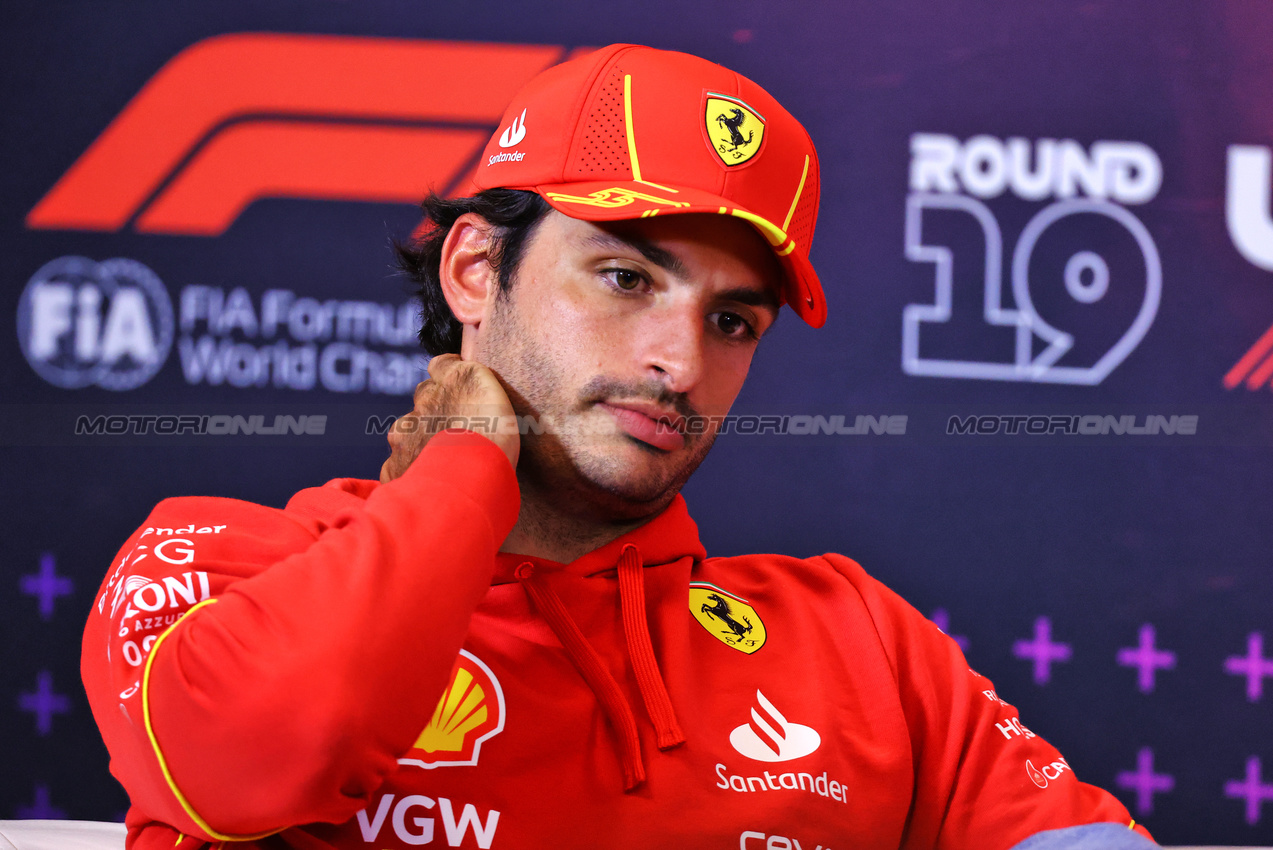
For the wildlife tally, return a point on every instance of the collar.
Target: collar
(668, 537)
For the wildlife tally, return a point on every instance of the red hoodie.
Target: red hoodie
(264, 675)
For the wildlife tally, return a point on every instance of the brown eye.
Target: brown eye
(731, 324)
(627, 280)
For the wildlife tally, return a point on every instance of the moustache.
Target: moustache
(602, 388)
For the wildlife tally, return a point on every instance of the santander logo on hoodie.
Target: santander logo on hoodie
(771, 737)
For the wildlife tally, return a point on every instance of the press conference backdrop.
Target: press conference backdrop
(1041, 408)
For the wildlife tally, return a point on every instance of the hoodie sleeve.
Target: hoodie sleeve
(983, 779)
(250, 670)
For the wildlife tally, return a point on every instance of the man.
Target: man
(517, 640)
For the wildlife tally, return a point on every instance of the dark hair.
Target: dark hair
(514, 214)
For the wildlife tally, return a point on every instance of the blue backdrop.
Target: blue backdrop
(1047, 246)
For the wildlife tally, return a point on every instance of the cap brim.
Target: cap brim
(619, 200)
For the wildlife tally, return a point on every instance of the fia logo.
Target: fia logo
(81, 323)
(1085, 278)
(771, 737)
(514, 132)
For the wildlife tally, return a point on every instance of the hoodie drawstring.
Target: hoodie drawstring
(636, 629)
(603, 685)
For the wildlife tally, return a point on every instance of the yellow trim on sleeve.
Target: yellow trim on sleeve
(154, 742)
(796, 200)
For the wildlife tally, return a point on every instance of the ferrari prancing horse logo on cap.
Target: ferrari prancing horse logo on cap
(734, 128)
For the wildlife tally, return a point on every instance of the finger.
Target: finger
(391, 470)
(440, 364)
(421, 389)
(398, 433)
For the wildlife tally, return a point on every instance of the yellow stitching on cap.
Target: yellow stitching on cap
(786, 222)
(656, 185)
(791, 246)
(616, 196)
(771, 231)
(631, 131)
(627, 120)
(154, 743)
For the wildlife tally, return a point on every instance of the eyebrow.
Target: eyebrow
(665, 259)
(662, 258)
(752, 298)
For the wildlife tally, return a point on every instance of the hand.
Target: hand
(459, 390)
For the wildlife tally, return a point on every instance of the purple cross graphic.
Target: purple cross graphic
(1042, 650)
(1144, 781)
(1254, 666)
(44, 702)
(1148, 659)
(1251, 789)
(41, 808)
(46, 585)
(941, 619)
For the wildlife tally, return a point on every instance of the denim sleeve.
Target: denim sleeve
(1092, 836)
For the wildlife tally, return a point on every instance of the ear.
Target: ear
(469, 284)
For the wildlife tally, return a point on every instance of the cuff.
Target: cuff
(1091, 836)
(471, 465)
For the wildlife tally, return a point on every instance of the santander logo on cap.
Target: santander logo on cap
(514, 132)
(771, 737)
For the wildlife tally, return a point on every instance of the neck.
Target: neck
(554, 529)
(544, 532)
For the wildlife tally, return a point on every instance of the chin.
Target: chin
(640, 475)
(615, 482)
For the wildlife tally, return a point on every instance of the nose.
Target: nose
(673, 346)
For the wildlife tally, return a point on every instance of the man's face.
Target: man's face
(610, 328)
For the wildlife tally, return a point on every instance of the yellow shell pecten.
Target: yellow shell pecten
(461, 709)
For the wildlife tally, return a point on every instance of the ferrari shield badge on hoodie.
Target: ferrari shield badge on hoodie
(470, 711)
(728, 618)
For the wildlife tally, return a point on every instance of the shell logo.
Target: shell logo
(470, 711)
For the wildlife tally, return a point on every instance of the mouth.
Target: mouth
(650, 423)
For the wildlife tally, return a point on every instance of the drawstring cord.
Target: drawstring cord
(591, 668)
(636, 631)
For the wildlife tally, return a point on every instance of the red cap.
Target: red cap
(632, 132)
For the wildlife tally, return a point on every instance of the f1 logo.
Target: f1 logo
(240, 117)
